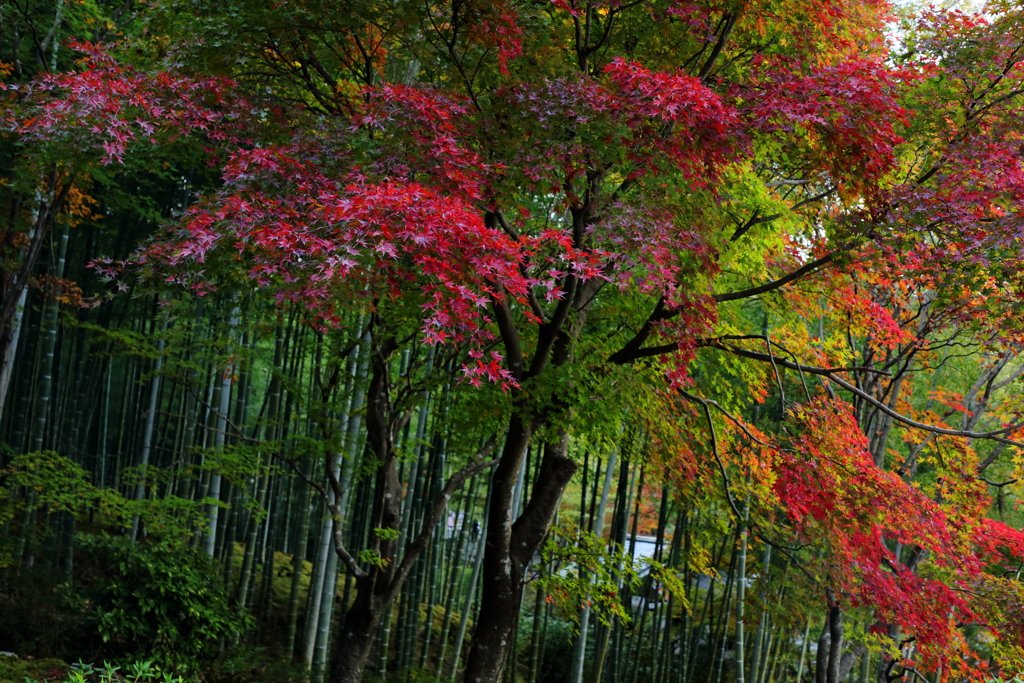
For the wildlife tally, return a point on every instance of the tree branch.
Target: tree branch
(437, 508)
(831, 374)
(339, 545)
(714, 449)
(509, 337)
(781, 282)
(717, 50)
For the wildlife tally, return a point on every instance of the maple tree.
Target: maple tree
(571, 196)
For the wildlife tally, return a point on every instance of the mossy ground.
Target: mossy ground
(15, 670)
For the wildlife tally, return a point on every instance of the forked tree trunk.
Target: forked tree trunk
(509, 547)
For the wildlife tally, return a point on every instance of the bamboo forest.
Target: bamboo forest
(511, 341)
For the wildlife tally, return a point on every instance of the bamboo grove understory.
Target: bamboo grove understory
(164, 415)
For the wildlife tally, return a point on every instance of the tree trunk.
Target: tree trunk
(579, 655)
(375, 588)
(355, 641)
(474, 579)
(835, 649)
(147, 438)
(13, 283)
(509, 547)
(220, 419)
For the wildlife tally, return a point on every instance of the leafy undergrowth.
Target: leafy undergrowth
(136, 595)
(15, 670)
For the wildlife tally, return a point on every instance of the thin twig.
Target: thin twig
(714, 449)
(778, 377)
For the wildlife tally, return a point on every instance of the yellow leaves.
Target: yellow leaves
(63, 291)
(700, 561)
(1017, 462)
(347, 90)
(78, 207)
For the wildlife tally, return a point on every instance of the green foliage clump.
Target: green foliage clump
(55, 483)
(593, 571)
(159, 601)
(137, 672)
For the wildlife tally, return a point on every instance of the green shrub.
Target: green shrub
(155, 601)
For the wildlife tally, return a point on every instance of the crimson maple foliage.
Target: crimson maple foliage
(106, 106)
(832, 491)
(432, 194)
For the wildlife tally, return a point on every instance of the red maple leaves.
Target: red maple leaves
(107, 106)
(452, 206)
(873, 531)
(844, 117)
